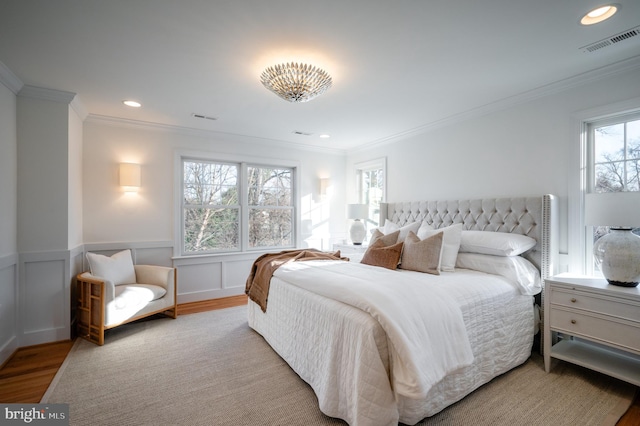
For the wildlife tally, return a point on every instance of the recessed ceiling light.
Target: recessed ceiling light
(599, 14)
(325, 136)
(132, 104)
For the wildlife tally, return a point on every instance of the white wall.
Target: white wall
(145, 220)
(8, 223)
(75, 169)
(524, 150)
(42, 174)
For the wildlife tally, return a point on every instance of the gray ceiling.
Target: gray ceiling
(397, 66)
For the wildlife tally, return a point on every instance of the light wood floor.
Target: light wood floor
(26, 376)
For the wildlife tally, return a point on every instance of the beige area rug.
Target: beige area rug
(210, 368)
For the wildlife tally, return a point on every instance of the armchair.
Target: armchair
(116, 292)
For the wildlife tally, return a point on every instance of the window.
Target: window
(613, 165)
(230, 207)
(371, 178)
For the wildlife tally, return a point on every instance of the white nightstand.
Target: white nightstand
(593, 324)
(347, 249)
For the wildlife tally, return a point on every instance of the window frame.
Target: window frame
(590, 173)
(243, 162)
(580, 234)
(360, 169)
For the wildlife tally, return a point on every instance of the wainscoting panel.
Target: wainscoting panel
(8, 306)
(45, 279)
(212, 277)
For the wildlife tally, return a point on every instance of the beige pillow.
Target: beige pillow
(387, 240)
(380, 255)
(422, 255)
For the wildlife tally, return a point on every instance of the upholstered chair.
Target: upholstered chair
(116, 292)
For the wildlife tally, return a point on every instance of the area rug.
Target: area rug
(210, 368)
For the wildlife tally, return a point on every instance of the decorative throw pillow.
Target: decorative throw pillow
(390, 227)
(380, 255)
(450, 244)
(495, 243)
(422, 255)
(118, 268)
(387, 240)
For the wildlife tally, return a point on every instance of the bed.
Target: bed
(349, 329)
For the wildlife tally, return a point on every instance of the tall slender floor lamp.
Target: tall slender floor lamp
(618, 252)
(357, 231)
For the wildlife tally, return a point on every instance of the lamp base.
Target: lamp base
(618, 256)
(357, 232)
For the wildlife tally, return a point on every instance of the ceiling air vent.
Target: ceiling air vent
(298, 132)
(610, 41)
(204, 117)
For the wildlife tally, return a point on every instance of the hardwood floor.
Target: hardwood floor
(26, 376)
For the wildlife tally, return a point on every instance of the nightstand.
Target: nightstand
(593, 324)
(347, 249)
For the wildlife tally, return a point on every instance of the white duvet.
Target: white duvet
(349, 358)
(424, 325)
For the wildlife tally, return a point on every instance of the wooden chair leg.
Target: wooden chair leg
(90, 321)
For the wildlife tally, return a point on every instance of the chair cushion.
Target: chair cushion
(128, 295)
(118, 268)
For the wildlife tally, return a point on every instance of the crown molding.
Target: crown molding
(189, 131)
(503, 104)
(60, 96)
(41, 93)
(9, 79)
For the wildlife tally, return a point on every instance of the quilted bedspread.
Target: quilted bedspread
(349, 357)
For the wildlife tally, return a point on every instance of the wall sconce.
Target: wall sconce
(130, 176)
(324, 186)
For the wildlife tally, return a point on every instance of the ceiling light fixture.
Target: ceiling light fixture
(296, 82)
(599, 14)
(132, 104)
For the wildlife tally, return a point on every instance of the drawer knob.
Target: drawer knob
(573, 300)
(573, 321)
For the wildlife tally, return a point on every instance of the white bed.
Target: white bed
(347, 354)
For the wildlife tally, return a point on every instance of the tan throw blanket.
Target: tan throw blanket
(263, 267)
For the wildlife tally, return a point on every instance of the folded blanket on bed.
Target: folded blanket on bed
(257, 287)
(424, 325)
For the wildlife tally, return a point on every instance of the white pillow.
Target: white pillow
(450, 244)
(495, 243)
(390, 227)
(516, 269)
(118, 268)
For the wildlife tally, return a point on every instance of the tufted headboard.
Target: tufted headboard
(532, 216)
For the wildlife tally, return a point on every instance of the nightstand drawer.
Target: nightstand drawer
(608, 306)
(622, 334)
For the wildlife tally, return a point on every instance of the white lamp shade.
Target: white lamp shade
(357, 211)
(130, 174)
(618, 209)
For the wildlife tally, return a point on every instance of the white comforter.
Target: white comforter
(426, 331)
(344, 353)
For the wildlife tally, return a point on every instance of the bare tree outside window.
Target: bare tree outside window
(214, 212)
(616, 165)
(270, 203)
(211, 207)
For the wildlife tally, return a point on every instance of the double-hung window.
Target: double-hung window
(613, 164)
(235, 206)
(371, 178)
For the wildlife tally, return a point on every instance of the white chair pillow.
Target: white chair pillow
(118, 268)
